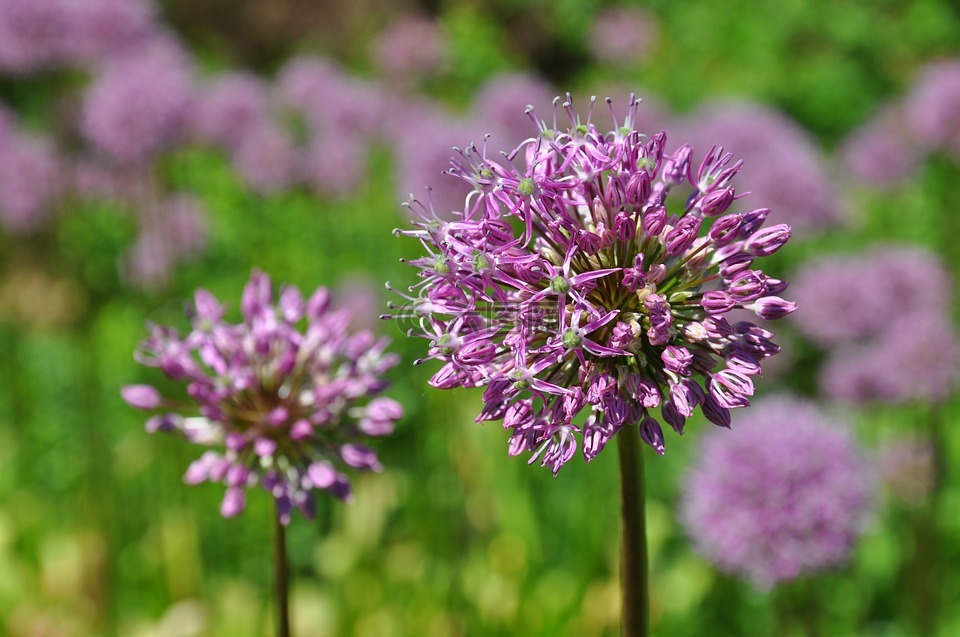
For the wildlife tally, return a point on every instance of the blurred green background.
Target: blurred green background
(98, 535)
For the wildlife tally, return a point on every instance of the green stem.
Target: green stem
(281, 578)
(635, 611)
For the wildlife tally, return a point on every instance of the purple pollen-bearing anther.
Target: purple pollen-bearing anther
(593, 271)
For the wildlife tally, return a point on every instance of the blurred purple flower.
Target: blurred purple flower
(865, 290)
(932, 104)
(107, 29)
(229, 107)
(410, 48)
(30, 181)
(880, 153)
(499, 104)
(138, 105)
(783, 165)
(34, 34)
(784, 494)
(266, 158)
(915, 360)
(331, 100)
(604, 294)
(288, 394)
(334, 164)
(622, 35)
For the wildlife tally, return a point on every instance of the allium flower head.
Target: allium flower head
(592, 273)
(784, 494)
(287, 395)
(622, 35)
(138, 106)
(932, 104)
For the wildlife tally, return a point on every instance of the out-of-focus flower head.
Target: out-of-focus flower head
(138, 105)
(884, 320)
(410, 48)
(848, 298)
(881, 152)
(105, 29)
(266, 158)
(285, 398)
(574, 278)
(229, 107)
(496, 104)
(30, 180)
(622, 35)
(932, 104)
(784, 494)
(330, 99)
(782, 164)
(916, 360)
(34, 35)
(334, 165)
(907, 468)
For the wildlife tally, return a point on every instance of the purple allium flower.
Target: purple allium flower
(784, 494)
(330, 99)
(907, 468)
(621, 35)
(932, 104)
(881, 152)
(29, 181)
(783, 165)
(571, 280)
(856, 305)
(916, 360)
(229, 107)
(33, 34)
(266, 158)
(410, 47)
(287, 394)
(104, 29)
(139, 104)
(334, 164)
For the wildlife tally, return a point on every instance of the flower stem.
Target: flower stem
(635, 611)
(281, 578)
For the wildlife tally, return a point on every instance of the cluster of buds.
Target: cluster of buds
(573, 281)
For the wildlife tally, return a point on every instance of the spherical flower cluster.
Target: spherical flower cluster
(288, 403)
(881, 152)
(139, 105)
(594, 275)
(875, 354)
(621, 35)
(33, 34)
(25, 163)
(38, 35)
(784, 494)
(409, 48)
(932, 104)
